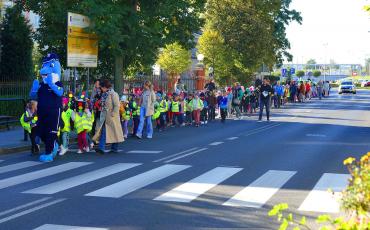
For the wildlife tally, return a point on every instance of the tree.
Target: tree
(316, 73)
(254, 31)
(130, 32)
(17, 44)
(300, 73)
(311, 62)
(216, 54)
(174, 59)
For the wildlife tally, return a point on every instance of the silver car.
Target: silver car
(347, 87)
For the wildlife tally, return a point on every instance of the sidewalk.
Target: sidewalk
(11, 141)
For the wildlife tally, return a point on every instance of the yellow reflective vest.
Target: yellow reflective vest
(66, 117)
(163, 106)
(27, 125)
(83, 122)
(175, 107)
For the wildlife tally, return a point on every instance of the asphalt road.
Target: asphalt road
(218, 176)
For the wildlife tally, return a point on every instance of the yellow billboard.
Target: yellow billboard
(82, 47)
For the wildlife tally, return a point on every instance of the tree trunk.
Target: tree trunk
(118, 74)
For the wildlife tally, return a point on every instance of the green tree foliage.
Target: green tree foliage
(174, 59)
(211, 44)
(129, 31)
(16, 55)
(316, 73)
(311, 62)
(300, 73)
(253, 31)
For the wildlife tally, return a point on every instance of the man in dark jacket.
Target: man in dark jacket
(266, 91)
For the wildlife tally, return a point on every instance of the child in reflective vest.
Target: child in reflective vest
(176, 111)
(204, 111)
(189, 110)
(197, 105)
(135, 108)
(66, 118)
(82, 122)
(125, 115)
(28, 122)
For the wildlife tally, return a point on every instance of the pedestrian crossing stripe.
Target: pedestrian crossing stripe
(11, 181)
(261, 190)
(320, 200)
(81, 179)
(66, 227)
(17, 166)
(199, 185)
(129, 185)
(255, 195)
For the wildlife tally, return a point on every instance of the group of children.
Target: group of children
(173, 110)
(76, 115)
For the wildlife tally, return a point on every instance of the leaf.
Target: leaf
(284, 225)
(323, 219)
(303, 220)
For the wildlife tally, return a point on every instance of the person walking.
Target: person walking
(320, 87)
(108, 126)
(266, 91)
(148, 100)
(237, 97)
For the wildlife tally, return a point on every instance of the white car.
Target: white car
(347, 87)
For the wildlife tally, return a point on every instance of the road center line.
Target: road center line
(261, 130)
(144, 151)
(216, 143)
(31, 210)
(24, 206)
(232, 138)
(185, 155)
(176, 154)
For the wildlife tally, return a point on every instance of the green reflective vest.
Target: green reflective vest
(66, 117)
(163, 106)
(135, 109)
(83, 123)
(175, 108)
(27, 125)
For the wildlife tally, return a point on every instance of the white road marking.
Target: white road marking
(11, 181)
(21, 165)
(261, 129)
(199, 185)
(81, 179)
(144, 151)
(216, 143)
(320, 199)
(24, 206)
(261, 190)
(30, 210)
(66, 227)
(315, 135)
(131, 184)
(232, 138)
(176, 154)
(185, 155)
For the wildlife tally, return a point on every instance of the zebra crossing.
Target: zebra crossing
(253, 195)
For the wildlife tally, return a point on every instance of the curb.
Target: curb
(18, 149)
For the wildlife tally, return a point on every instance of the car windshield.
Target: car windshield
(346, 83)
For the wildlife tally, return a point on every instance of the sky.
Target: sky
(331, 29)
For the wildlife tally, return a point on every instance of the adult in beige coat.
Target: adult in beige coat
(146, 110)
(108, 126)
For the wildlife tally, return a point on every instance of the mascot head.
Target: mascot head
(51, 68)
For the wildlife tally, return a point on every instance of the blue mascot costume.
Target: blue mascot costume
(49, 96)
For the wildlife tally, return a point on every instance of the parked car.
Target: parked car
(364, 83)
(347, 87)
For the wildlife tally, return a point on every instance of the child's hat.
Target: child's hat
(65, 101)
(124, 98)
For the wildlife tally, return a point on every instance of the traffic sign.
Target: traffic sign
(292, 70)
(283, 72)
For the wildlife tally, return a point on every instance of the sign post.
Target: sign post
(82, 46)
